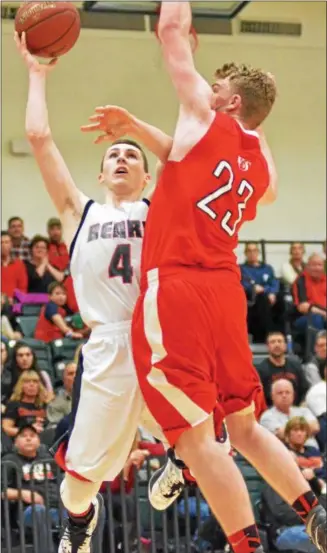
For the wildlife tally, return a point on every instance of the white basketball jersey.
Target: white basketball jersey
(105, 261)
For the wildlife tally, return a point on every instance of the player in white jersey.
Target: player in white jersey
(105, 247)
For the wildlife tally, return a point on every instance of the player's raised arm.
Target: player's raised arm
(113, 122)
(271, 194)
(174, 27)
(55, 173)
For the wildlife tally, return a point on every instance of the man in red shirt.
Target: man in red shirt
(58, 253)
(309, 293)
(13, 272)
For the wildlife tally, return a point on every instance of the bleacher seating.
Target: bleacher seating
(27, 325)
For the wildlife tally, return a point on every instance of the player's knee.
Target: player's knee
(241, 428)
(77, 495)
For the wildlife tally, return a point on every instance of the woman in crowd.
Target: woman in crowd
(40, 272)
(24, 358)
(295, 266)
(308, 458)
(27, 405)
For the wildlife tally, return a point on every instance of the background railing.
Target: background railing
(129, 524)
(264, 245)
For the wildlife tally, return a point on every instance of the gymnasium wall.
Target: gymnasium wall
(125, 68)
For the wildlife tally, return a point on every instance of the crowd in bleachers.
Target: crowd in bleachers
(41, 337)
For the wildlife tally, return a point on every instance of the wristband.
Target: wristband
(69, 334)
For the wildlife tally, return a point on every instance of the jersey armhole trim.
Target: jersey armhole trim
(84, 214)
(146, 201)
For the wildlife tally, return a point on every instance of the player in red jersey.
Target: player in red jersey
(189, 328)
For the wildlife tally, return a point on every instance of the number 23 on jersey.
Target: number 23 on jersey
(229, 221)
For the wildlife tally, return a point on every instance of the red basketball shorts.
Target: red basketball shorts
(190, 347)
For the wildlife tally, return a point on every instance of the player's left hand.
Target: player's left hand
(112, 121)
(272, 299)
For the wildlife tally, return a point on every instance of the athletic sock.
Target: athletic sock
(83, 519)
(304, 504)
(246, 540)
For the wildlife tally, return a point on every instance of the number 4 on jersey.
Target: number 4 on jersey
(120, 265)
(245, 190)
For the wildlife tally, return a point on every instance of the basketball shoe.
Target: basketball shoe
(168, 482)
(77, 538)
(316, 524)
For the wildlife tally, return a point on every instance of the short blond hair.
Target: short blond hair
(257, 89)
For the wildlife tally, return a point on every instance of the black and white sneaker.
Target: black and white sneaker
(167, 483)
(317, 527)
(76, 538)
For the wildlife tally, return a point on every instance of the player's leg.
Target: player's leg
(175, 364)
(104, 428)
(277, 466)
(167, 483)
(240, 385)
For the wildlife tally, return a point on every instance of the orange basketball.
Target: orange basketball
(52, 28)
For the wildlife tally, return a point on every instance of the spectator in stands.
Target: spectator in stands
(13, 271)
(58, 253)
(314, 369)
(51, 324)
(259, 278)
(295, 266)
(5, 376)
(316, 400)
(62, 404)
(20, 243)
(23, 358)
(37, 475)
(40, 272)
(309, 293)
(283, 409)
(27, 405)
(9, 327)
(286, 529)
(308, 458)
(278, 365)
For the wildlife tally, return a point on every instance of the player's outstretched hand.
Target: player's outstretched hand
(112, 122)
(33, 65)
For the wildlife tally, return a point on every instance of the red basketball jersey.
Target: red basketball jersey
(201, 202)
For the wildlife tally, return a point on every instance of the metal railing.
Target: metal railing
(128, 523)
(266, 243)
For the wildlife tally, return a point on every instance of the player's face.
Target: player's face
(224, 97)
(123, 170)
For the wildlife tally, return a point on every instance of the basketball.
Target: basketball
(52, 28)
